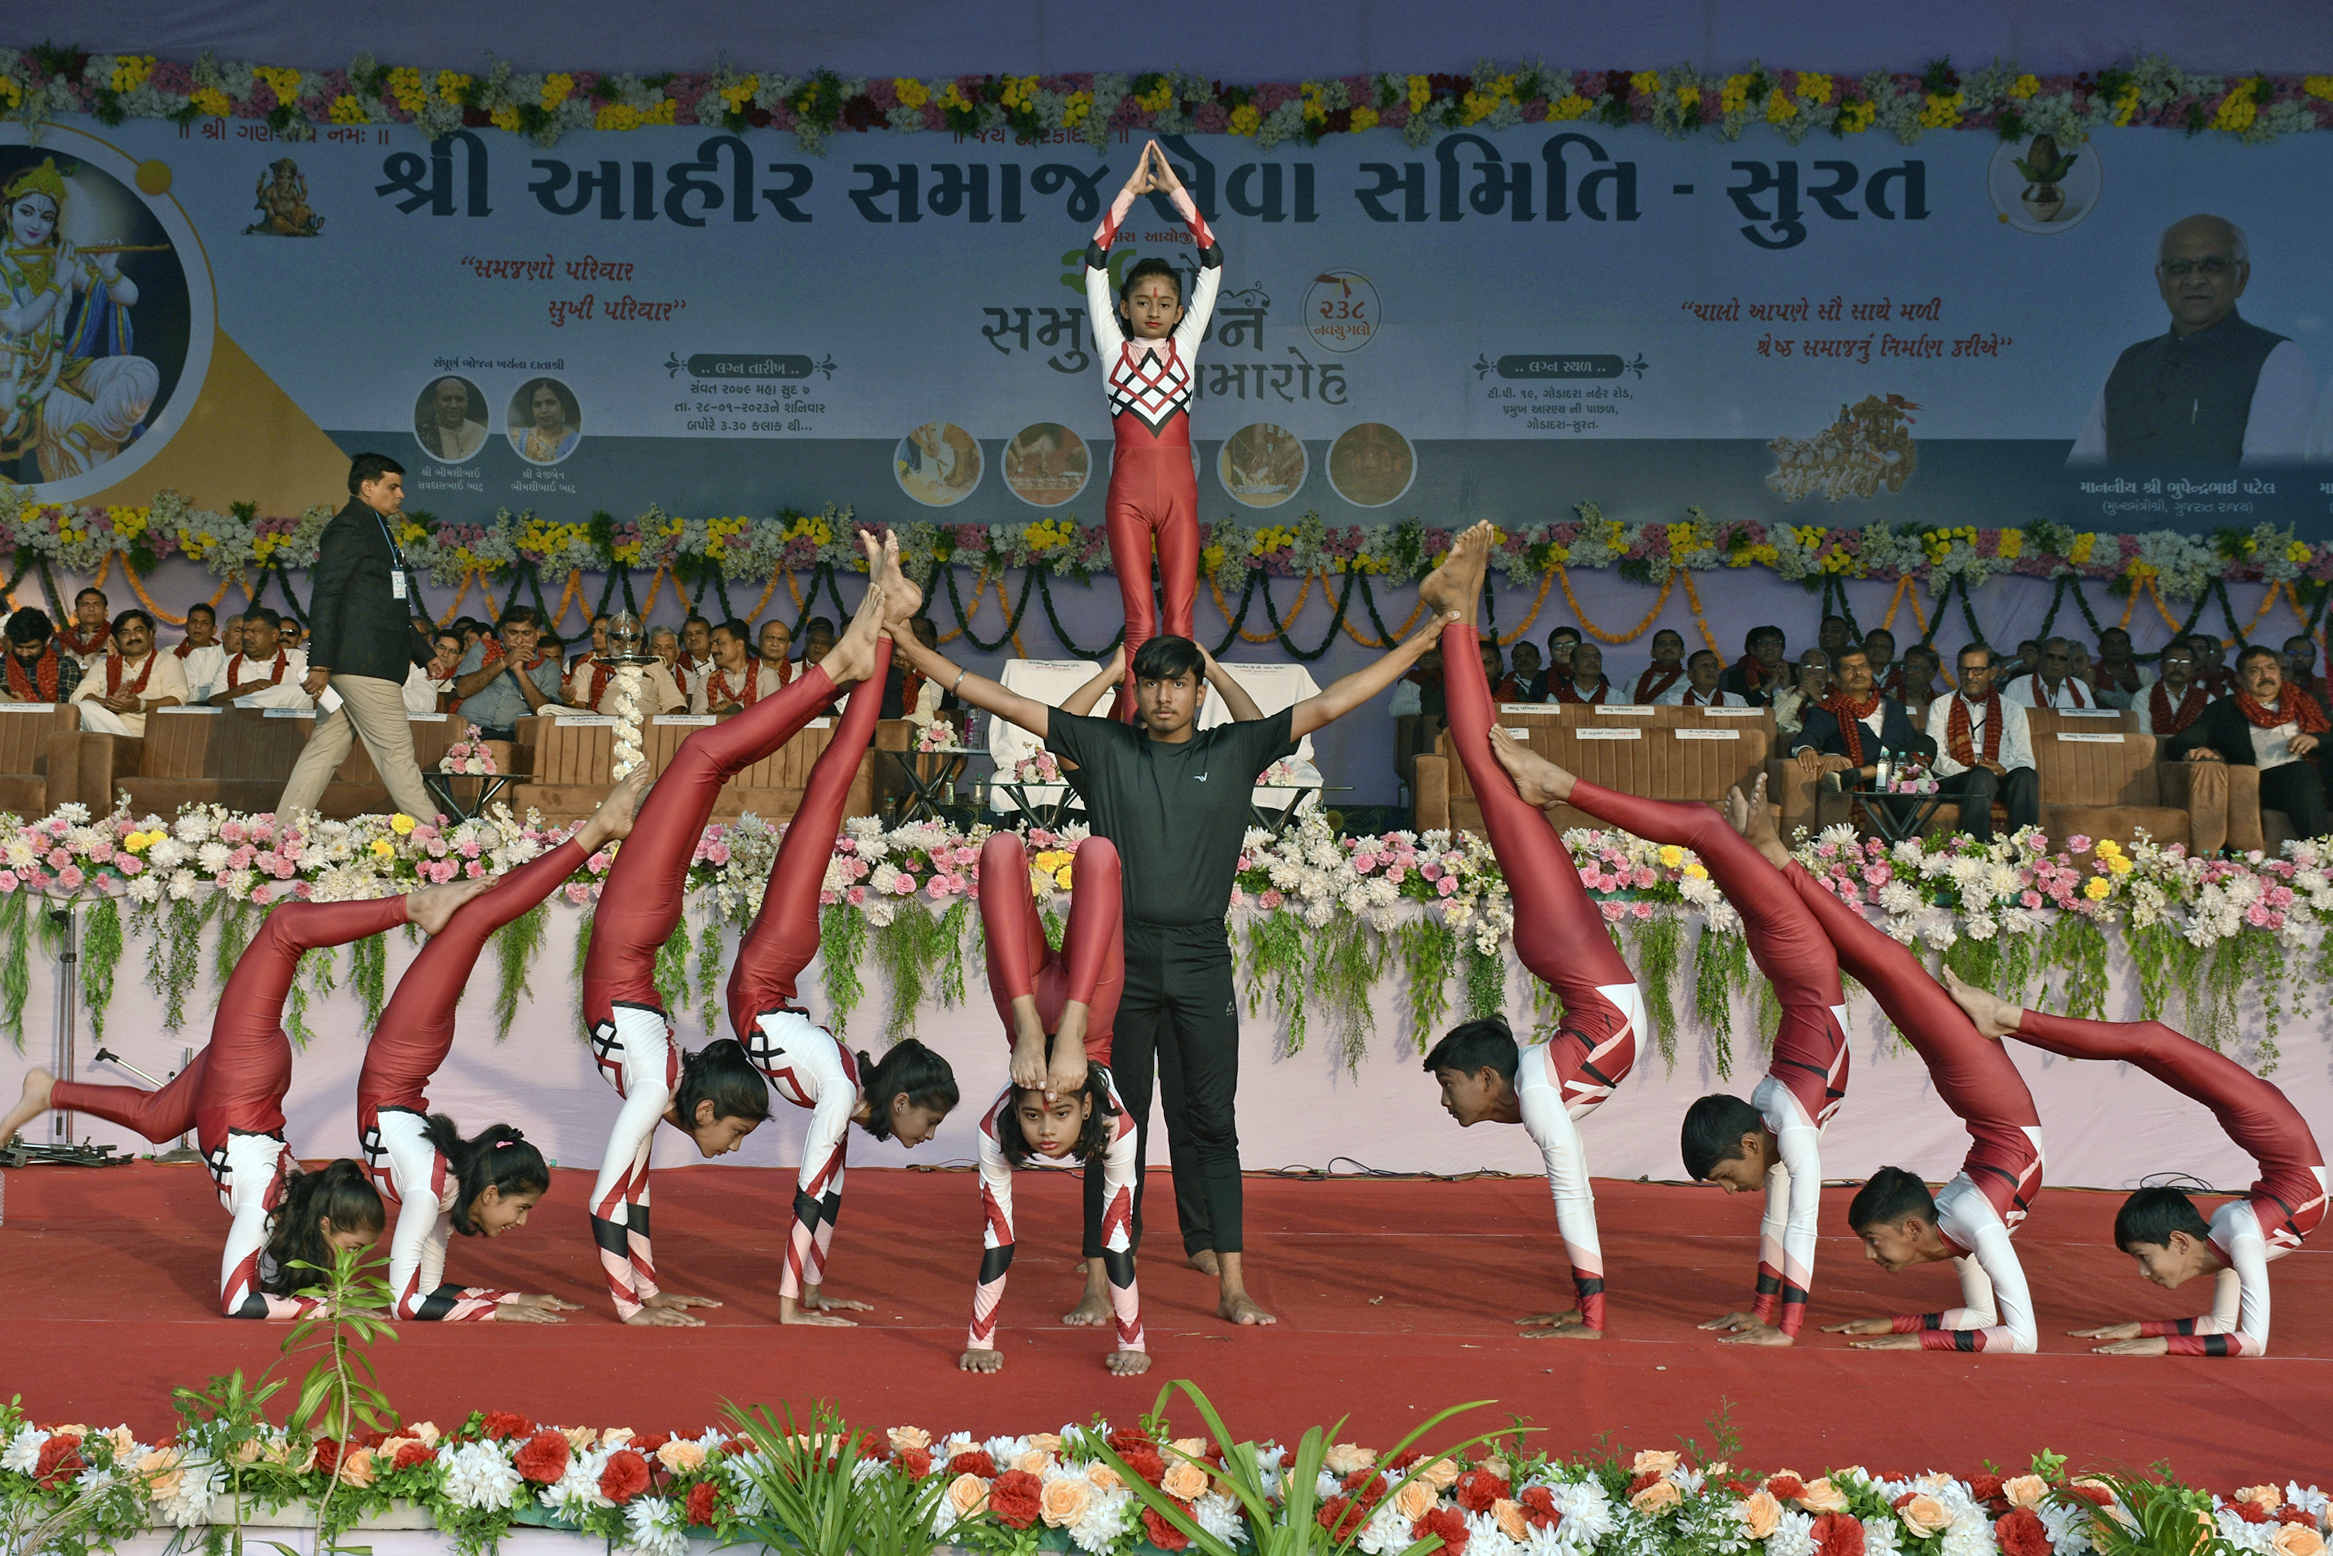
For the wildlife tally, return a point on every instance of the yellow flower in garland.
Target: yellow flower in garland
(2298, 553)
(2126, 103)
(953, 100)
(1814, 87)
(284, 83)
(1076, 108)
(2237, 110)
(2025, 86)
(384, 849)
(1856, 117)
(1421, 92)
(1054, 864)
(346, 110)
(1697, 871)
(452, 84)
(811, 527)
(616, 116)
(558, 86)
(1245, 120)
(1364, 118)
(1570, 106)
(1688, 98)
(1046, 535)
(128, 522)
(1315, 102)
(2083, 545)
(2098, 888)
(2012, 545)
(131, 70)
(1941, 112)
(1779, 108)
(1161, 93)
(1019, 92)
(11, 94)
(1645, 83)
(1672, 857)
(401, 824)
(1734, 96)
(2318, 87)
(663, 113)
(1210, 559)
(505, 118)
(910, 92)
(405, 85)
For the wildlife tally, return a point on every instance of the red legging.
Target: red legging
(1559, 932)
(238, 1082)
(784, 934)
(1154, 496)
(643, 896)
(1090, 967)
(416, 1029)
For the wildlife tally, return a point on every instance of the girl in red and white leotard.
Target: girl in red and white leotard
(904, 1096)
(2245, 1235)
(715, 1096)
(231, 1094)
(1058, 1006)
(1560, 936)
(1978, 1211)
(1148, 340)
(435, 1181)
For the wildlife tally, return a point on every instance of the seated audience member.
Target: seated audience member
(1560, 644)
(1700, 688)
(1916, 675)
(473, 632)
(1494, 669)
(199, 653)
(2079, 652)
(230, 637)
(1887, 671)
(37, 671)
(429, 688)
(593, 687)
(293, 634)
(2267, 725)
(1760, 673)
(2118, 677)
(264, 671)
(776, 647)
(599, 645)
(696, 645)
(2053, 684)
(1585, 683)
(736, 679)
(2300, 668)
(2173, 703)
(2211, 664)
(1984, 750)
(664, 643)
(817, 640)
(1526, 681)
(86, 636)
(1840, 739)
(1834, 636)
(508, 677)
(1666, 673)
(2026, 661)
(907, 694)
(129, 680)
(1810, 683)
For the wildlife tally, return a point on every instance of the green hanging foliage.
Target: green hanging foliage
(672, 967)
(2164, 962)
(575, 973)
(1275, 965)
(15, 963)
(2245, 965)
(957, 926)
(311, 978)
(1428, 950)
(175, 956)
(911, 949)
(1977, 961)
(1486, 981)
(101, 955)
(1660, 946)
(842, 942)
(709, 975)
(2077, 946)
(1056, 927)
(368, 976)
(236, 922)
(1347, 960)
(1721, 964)
(516, 945)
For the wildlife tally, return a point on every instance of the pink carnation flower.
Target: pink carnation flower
(8, 881)
(1446, 886)
(70, 877)
(59, 858)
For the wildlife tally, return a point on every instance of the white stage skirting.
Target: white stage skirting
(2107, 1127)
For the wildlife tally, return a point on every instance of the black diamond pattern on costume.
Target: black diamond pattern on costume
(1153, 385)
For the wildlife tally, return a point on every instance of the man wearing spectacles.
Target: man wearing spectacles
(2216, 390)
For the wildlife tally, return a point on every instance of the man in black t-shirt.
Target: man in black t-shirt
(1174, 799)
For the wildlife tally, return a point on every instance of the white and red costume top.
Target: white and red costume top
(1151, 380)
(808, 1068)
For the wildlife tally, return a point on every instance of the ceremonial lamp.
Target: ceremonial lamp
(624, 656)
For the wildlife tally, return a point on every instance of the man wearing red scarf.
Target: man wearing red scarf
(263, 670)
(1759, 673)
(1585, 682)
(2269, 725)
(1841, 738)
(2053, 684)
(1666, 670)
(2176, 701)
(736, 678)
(36, 671)
(508, 676)
(130, 681)
(85, 637)
(1984, 749)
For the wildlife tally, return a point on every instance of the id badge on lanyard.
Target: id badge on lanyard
(396, 561)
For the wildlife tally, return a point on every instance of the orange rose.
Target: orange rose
(1344, 1458)
(1036, 1461)
(1821, 1496)
(1511, 1521)
(904, 1437)
(968, 1494)
(1761, 1512)
(1658, 1497)
(1441, 1474)
(1064, 1501)
(616, 1436)
(681, 1456)
(1655, 1461)
(1183, 1479)
(1047, 1442)
(2297, 1540)
(1923, 1515)
(579, 1438)
(1103, 1477)
(1196, 1447)
(356, 1467)
(2025, 1491)
(1414, 1501)
(162, 1473)
(121, 1439)
(2266, 1498)
(1497, 1465)
(248, 1451)
(426, 1431)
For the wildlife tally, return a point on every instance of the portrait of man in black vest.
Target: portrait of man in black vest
(2215, 390)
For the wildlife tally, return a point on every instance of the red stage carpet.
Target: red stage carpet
(1394, 1299)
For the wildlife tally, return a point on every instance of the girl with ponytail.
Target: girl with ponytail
(320, 1213)
(438, 1182)
(902, 1097)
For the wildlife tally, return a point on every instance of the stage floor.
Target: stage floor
(1395, 1299)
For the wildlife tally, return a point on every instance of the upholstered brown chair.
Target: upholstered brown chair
(39, 756)
(2100, 779)
(573, 765)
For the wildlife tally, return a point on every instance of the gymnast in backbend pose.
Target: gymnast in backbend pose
(905, 1095)
(436, 1181)
(1776, 1137)
(1148, 341)
(1057, 1008)
(715, 1096)
(1561, 938)
(1973, 1218)
(2159, 1226)
(232, 1096)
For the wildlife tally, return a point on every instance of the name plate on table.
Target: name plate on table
(280, 713)
(1623, 710)
(1732, 713)
(583, 720)
(2088, 713)
(683, 718)
(47, 707)
(1707, 734)
(2094, 740)
(819, 724)
(1526, 707)
(1608, 734)
(174, 710)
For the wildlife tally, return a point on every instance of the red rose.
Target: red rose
(2097, 1495)
(1342, 1517)
(626, 1476)
(1140, 1453)
(501, 1425)
(917, 1462)
(2250, 1512)
(704, 1502)
(1539, 1508)
(1014, 1498)
(1739, 1485)
(1985, 1488)
(543, 1457)
(413, 1453)
(1402, 1461)
(1446, 1522)
(652, 1442)
(973, 1461)
(60, 1460)
(1641, 1482)
(1368, 1488)
(2021, 1532)
(2296, 1515)
(1161, 1533)
(1478, 1489)
(327, 1455)
(1838, 1534)
(1785, 1488)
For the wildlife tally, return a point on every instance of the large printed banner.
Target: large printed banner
(1494, 325)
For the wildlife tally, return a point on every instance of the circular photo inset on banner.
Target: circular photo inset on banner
(545, 422)
(1047, 464)
(2040, 186)
(1262, 465)
(938, 464)
(1371, 465)
(449, 419)
(109, 336)
(1341, 310)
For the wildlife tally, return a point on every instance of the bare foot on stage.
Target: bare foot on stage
(1566, 1325)
(433, 907)
(1539, 781)
(613, 820)
(1993, 1015)
(1236, 1305)
(1453, 591)
(852, 659)
(1750, 816)
(35, 1102)
(1204, 1262)
(1093, 1309)
(901, 598)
